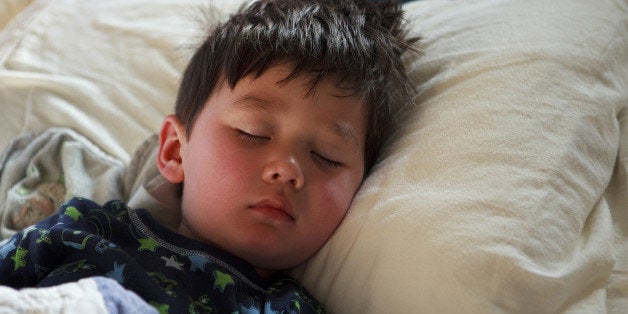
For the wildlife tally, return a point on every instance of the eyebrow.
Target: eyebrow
(250, 101)
(345, 132)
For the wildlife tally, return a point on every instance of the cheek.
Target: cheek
(219, 159)
(335, 198)
(235, 166)
(214, 174)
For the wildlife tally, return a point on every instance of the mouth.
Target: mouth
(274, 208)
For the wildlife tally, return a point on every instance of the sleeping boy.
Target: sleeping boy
(280, 114)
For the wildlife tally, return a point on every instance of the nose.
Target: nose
(285, 171)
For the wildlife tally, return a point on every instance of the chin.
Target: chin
(273, 261)
(273, 253)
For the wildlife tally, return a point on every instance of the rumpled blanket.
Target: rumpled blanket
(89, 295)
(38, 172)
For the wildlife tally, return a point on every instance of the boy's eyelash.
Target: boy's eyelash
(326, 161)
(250, 137)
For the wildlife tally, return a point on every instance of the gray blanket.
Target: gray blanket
(39, 171)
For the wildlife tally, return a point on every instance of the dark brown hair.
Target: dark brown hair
(359, 42)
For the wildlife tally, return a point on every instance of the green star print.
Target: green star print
(222, 280)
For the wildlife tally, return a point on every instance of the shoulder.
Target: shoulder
(78, 208)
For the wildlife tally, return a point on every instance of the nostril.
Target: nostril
(284, 173)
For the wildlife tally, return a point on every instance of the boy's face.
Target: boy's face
(269, 169)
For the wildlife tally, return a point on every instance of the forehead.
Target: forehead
(277, 89)
(310, 83)
(285, 70)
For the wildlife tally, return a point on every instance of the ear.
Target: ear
(171, 140)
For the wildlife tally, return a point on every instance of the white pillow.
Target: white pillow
(492, 198)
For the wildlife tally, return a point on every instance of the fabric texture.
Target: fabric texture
(11, 8)
(38, 172)
(119, 300)
(170, 272)
(72, 298)
(89, 295)
(504, 190)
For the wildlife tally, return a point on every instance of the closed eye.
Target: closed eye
(326, 161)
(251, 138)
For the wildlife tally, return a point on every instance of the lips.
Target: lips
(275, 208)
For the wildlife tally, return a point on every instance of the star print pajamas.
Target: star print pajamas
(169, 271)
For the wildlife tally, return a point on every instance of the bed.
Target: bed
(505, 189)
